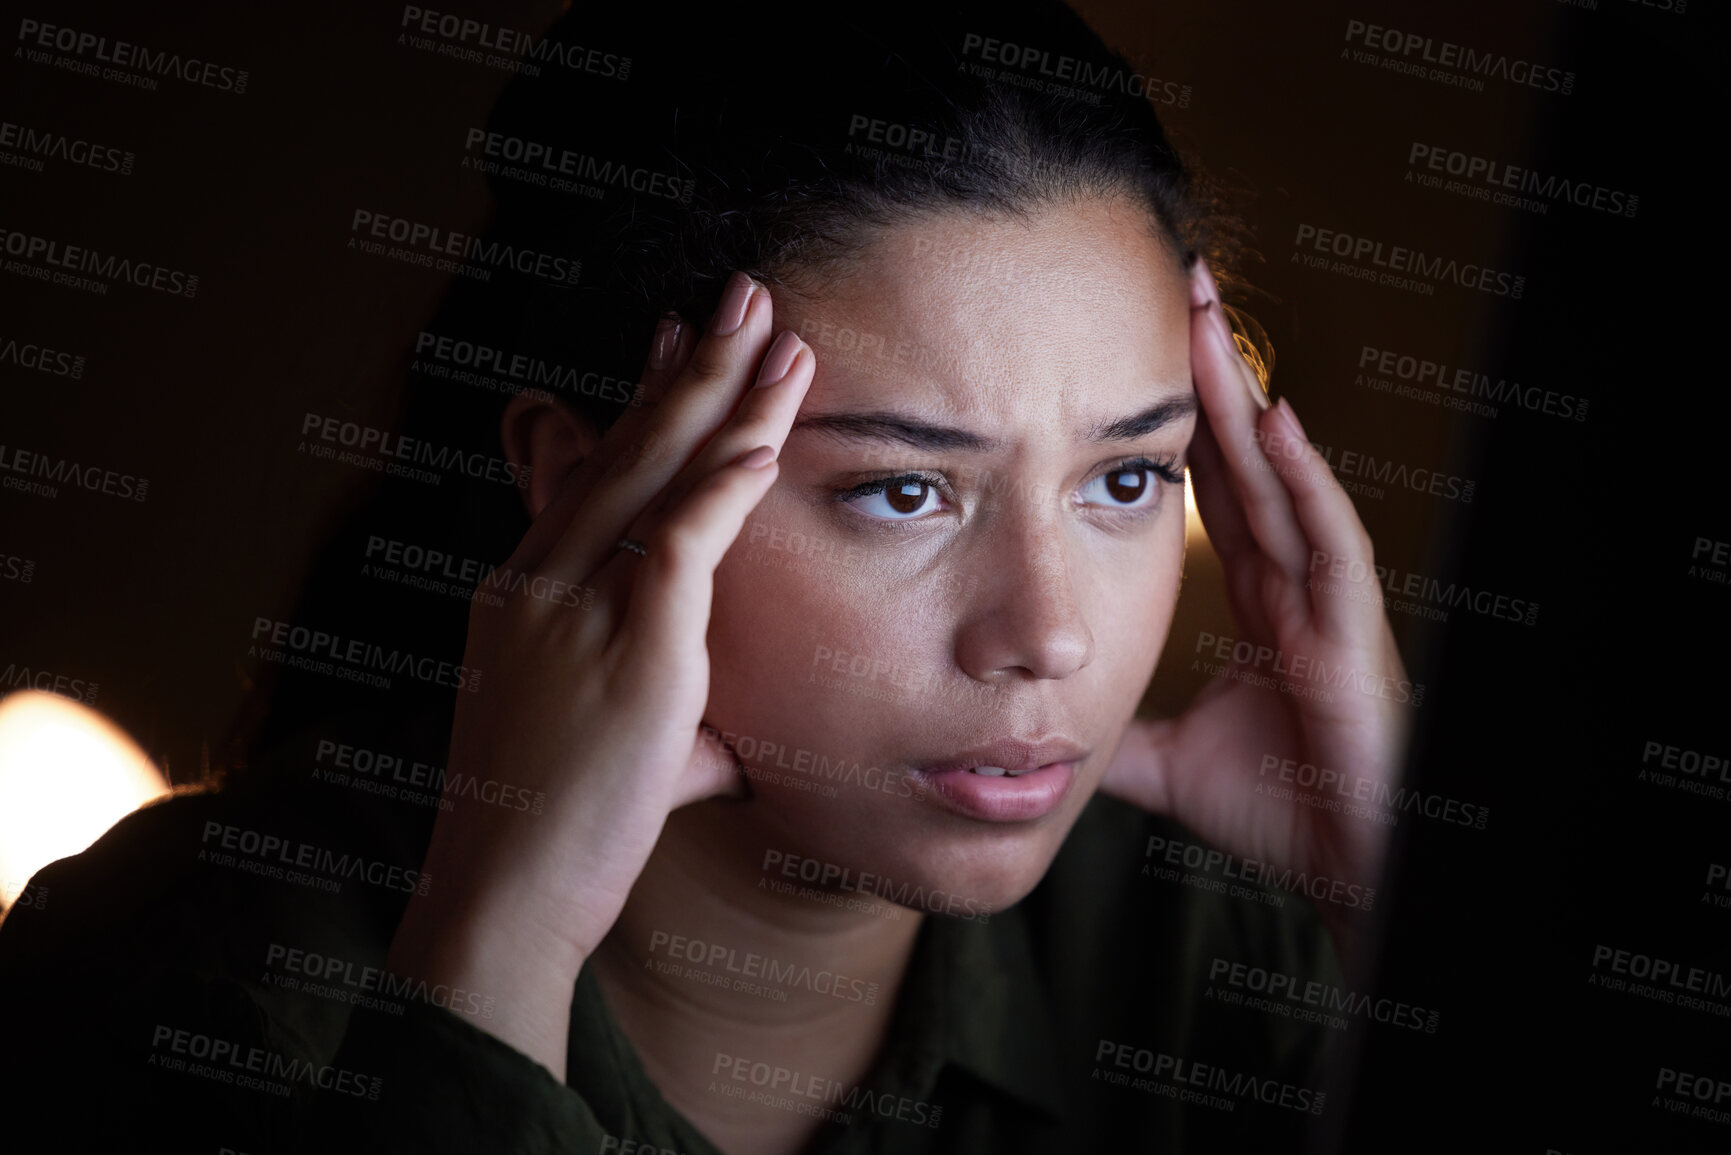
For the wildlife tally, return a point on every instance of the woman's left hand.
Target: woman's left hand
(1311, 678)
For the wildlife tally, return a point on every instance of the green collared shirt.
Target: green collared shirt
(1127, 1000)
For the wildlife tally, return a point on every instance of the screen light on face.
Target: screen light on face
(67, 774)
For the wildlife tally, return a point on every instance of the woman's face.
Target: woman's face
(973, 548)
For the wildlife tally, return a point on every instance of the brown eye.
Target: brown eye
(907, 496)
(1127, 485)
(1130, 486)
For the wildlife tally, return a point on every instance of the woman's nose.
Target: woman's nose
(1022, 617)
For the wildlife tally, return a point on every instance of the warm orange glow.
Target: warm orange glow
(66, 775)
(1192, 516)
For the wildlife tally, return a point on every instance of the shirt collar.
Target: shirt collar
(974, 998)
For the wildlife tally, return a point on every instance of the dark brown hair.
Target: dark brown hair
(664, 152)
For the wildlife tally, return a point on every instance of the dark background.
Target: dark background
(1594, 520)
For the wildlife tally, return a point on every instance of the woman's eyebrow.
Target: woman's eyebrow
(1141, 424)
(882, 426)
(911, 431)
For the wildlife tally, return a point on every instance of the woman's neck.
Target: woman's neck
(714, 966)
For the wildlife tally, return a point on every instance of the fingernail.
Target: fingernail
(730, 314)
(1254, 384)
(779, 359)
(1291, 419)
(756, 458)
(666, 341)
(1202, 286)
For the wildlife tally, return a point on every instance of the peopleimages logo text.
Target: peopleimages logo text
(1088, 74)
(123, 54)
(82, 259)
(40, 358)
(1456, 57)
(552, 160)
(65, 471)
(310, 643)
(467, 39)
(1415, 262)
(1504, 177)
(226, 1057)
(436, 241)
(50, 145)
(370, 439)
(1441, 377)
(277, 850)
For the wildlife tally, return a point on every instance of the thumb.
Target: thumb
(712, 771)
(1138, 772)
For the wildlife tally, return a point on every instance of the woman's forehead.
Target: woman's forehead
(1084, 247)
(1059, 320)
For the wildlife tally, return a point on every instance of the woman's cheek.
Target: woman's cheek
(1131, 621)
(1160, 603)
(746, 631)
(777, 600)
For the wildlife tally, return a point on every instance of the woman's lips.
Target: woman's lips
(1000, 797)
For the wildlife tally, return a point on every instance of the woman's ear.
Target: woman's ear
(548, 438)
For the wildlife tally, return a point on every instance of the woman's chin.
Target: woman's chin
(914, 858)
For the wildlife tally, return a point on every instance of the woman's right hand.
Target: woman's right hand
(599, 708)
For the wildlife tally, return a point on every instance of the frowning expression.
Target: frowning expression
(969, 562)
